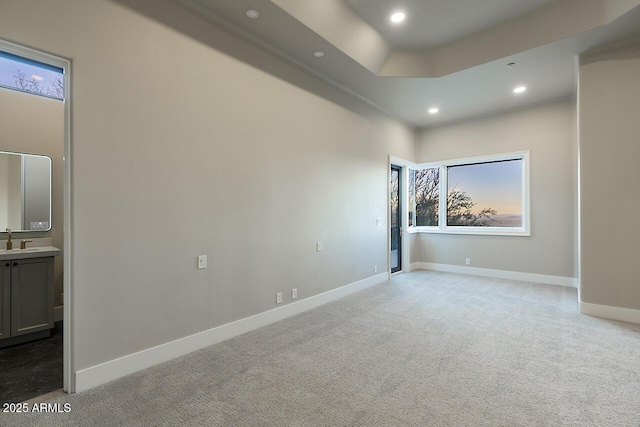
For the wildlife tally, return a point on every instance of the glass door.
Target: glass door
(396, 223)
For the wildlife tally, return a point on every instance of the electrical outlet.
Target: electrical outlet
(378, 222)
(294, 293)
(467, 261)
(319, 247)
(202, 262)
(375, 268)
(278, 297)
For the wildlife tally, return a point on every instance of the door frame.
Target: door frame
(65, 64)
(397, 168)
(405, 265)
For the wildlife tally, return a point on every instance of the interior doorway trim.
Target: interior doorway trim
(65, 64)
(404, 220)
(396, 228)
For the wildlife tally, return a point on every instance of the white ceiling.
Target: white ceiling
(432, 23)
(544, 44)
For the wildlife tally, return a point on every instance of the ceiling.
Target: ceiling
(447, 54)
(432, 23)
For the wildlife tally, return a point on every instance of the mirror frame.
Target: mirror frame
(50, 193)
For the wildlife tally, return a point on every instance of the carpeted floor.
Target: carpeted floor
(425, 349)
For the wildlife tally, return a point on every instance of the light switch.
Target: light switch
(202, 262)
(319, 246)
(378, 222)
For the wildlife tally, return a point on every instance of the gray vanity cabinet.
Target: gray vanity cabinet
(27, 296)
(31, 295)
(5, 300)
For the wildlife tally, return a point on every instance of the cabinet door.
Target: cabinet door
(31, 295)
(5, 299)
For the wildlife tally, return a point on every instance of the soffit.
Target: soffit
(465, 78)
(433, 23)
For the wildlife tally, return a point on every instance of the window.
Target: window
(427, 197)
(31, 76)
(484, 195)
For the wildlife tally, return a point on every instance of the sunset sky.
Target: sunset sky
(491, 185)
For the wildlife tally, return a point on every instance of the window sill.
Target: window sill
(484, 231)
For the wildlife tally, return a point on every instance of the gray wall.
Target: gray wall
(548, 131)
(7, 205)
(197, 143)
(22, 133)
(4, 190)
(414, 248)
(14, 192)
(609, 102)
(10, 192)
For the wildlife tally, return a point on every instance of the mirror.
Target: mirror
(25, 192)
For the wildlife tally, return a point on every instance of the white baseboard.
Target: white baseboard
(609, 312)
(571, 282)
(113, 369)
(58, 313)
(414, 266)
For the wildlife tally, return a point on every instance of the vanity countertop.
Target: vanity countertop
(33, 252)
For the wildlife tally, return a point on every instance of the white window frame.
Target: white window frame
(443, 228)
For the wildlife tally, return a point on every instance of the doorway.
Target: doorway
(395, 250)
(39, 338)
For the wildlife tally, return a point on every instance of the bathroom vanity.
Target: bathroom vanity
(26, 294)
(26, 274)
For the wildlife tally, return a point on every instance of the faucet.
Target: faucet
(9, 243)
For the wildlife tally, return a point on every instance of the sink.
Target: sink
(35, 252)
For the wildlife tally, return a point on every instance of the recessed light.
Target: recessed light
(433, 110)
(398, 17)
(520, 89)
(318, 54)
(253, 14)
(37, 77)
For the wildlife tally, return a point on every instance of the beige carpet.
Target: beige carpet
(425, 349)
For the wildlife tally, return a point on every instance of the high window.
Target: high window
(483, 195)
(30, 76)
